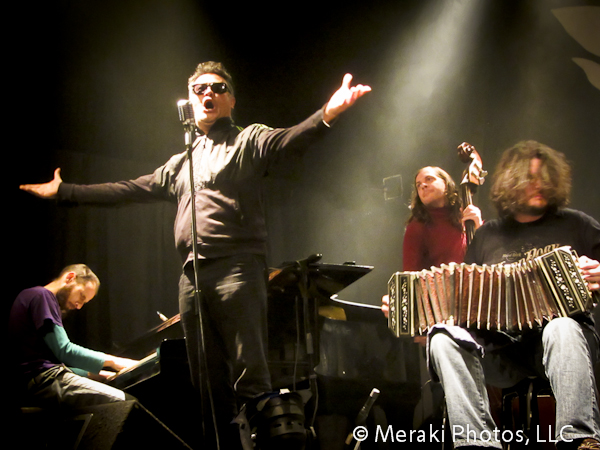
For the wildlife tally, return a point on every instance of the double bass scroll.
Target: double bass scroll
(472, 177)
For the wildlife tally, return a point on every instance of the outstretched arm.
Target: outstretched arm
(343, 98)
(44, 190)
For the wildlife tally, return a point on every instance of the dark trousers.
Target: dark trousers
(58, 387)
(233, 302)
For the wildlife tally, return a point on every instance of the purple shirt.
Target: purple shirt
(33, 313)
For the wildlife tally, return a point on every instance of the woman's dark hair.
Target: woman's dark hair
(419, 212)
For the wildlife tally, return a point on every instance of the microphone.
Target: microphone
(361, 419)
(186, 113)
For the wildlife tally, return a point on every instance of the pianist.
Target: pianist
(50, 370)
(229, 164)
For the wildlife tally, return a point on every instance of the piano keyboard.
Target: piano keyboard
(144, 369)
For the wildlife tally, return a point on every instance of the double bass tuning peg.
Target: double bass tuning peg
(482, 176)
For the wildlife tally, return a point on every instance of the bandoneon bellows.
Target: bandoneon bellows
(508, 297)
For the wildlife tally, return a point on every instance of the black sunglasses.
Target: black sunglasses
(217, 88)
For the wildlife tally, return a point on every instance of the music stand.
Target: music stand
(314, 283)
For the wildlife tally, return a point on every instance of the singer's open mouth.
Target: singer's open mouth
(208, 104)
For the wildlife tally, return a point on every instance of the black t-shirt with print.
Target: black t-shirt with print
(506, 240)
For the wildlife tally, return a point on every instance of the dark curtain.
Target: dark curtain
(96, 85)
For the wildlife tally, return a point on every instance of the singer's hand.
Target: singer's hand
(44, 190)
(343, 98)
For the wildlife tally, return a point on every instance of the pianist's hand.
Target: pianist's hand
(590, 269)
(116, 363)
(385, 305)
(102, 376)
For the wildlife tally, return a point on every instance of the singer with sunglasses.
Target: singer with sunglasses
(228, 165)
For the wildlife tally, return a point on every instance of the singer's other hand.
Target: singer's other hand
(44, 190)
(343, 98)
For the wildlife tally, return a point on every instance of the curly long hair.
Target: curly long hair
(420, 213)
(512, 177)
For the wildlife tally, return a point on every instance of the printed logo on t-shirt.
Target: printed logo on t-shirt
(528, 252)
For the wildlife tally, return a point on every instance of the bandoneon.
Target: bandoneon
(508, 297)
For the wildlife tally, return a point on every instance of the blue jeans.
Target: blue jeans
(564, 353)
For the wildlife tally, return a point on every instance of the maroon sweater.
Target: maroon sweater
(432, 244)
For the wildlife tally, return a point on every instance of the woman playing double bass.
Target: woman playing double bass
(441, 221)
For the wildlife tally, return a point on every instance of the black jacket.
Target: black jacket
(228, 165)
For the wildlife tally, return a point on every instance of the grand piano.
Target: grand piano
(335, 349)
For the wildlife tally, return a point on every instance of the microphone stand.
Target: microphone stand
(190, 128)
(310, 317)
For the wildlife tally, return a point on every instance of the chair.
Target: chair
(527, 417)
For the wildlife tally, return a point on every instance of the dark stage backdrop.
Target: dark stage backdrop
(96, 85)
